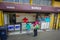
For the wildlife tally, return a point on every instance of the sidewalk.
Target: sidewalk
(24, 32)
(52, 35)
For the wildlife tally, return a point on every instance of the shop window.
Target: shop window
(42, 2)
(29, 17)
(16, 0)
(42, 17)
(21, 1)
(4, 0)
(24, 1)
(44, 20)
(36, 1)
(8, 0)
(21, 18)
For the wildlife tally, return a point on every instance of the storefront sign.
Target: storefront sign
(38, 8)
(10, 7)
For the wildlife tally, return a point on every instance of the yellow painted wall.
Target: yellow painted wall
(0, 0)
(1, 18)
(55, 3)
(51, 20)
(57, 21)
(31, 2)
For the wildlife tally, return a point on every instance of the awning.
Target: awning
(5, 6)
(57, 9)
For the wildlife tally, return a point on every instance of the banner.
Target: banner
(17, 27)
(10, 27)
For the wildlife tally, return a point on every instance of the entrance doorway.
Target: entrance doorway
(12, 18)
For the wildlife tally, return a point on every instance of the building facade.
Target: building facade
(16, 17)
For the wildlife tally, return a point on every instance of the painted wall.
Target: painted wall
(56, 4)
(52, 20)
(1, 18)
(58, 23)
(0, 0)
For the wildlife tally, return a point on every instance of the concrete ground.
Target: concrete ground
(52, 35)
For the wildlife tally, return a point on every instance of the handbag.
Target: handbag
(37, 26)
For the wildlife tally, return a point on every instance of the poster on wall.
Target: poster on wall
(24, 26)
(17, 27)
(31, 25)
(30, 16)
(10, 27)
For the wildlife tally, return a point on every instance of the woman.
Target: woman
(36, 26)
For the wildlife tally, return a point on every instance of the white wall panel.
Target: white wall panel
(6, 18)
